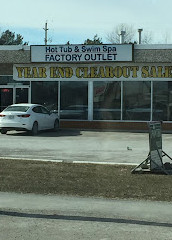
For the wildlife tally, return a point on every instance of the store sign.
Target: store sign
(113, 72)
(81, 53)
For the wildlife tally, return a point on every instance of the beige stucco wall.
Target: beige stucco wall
(15, 54)
(19, 56)
(154, 55)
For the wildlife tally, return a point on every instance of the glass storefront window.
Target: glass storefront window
(162, 101)
(74, 100)
(45, 93)
(137, 101)
(107, 101)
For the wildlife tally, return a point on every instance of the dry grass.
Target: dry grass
(82, 180)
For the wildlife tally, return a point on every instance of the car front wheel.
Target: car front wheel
(35, 129)
(3, 131)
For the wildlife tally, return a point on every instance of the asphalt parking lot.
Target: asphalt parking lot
(81, 146)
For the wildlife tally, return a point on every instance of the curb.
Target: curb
(68, 161)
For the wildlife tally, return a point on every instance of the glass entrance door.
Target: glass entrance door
(22, 95)
(14, 94)
(6, 97)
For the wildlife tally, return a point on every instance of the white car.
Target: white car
(29, 117)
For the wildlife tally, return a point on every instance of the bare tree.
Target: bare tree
(114, 36)
(131, 35)
(166, 38)
(147, 37)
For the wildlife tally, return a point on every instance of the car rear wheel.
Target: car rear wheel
(56, 126)
(35, 129)
(3, 131)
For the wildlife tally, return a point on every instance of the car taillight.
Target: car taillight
(1, 115)
(24, 115)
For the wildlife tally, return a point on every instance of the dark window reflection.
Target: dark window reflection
(162, 101)
(107, 101)
(21, 95)
(45, 93)
(74, 100)
(137, 101)
(6, 97)
(9, 80)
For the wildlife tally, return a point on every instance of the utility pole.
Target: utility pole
(45, 29)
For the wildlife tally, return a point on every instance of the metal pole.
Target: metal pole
(122, 37)
(45, 29)
(140, 33)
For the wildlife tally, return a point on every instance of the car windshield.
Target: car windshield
(17, 109)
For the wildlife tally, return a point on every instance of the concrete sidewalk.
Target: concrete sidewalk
(30, 216)
(154, 211)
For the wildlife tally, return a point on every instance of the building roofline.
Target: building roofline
(136, 46)
(14, 47)
(152, 46)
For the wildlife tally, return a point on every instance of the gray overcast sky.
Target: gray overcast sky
(77, 20)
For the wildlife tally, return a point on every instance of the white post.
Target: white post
(58, 107)
(140, 33)
(122, 92)
(122, 37)
(29, 92)
(151, 116)
(90, 100)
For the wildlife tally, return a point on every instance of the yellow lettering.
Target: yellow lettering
(134, 69)
(145, 72)
(169, 73)
(153, 72)
(126, 71)
(27, 72)
(86, 75)
(101, 73)
(93, 72)
(68, 72)
(82, 72)
(53, 73)
(78, 72)
(20, 71)
(61, 72)
(42, 72)
(109, 72)
(34, 72)
(118, 71)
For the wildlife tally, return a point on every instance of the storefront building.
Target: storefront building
(97, 87)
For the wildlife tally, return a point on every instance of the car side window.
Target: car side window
(44, 110)
(37, 109)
